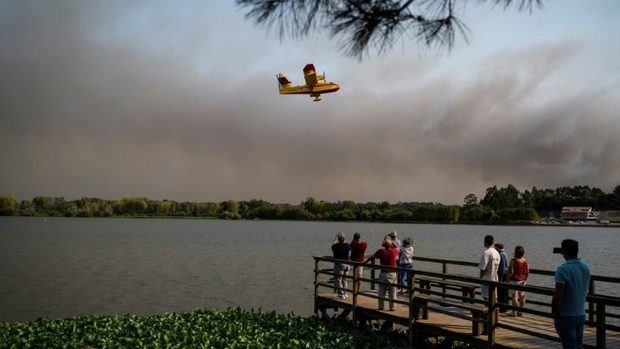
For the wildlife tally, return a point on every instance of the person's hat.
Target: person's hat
(393, 233)
(407, 242)
(499, 247)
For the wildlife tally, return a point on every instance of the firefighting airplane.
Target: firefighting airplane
(313, 87)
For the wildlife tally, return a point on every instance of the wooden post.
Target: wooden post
(444, 270)
(491, 317)
(600, 326)
(592, 311)
(372, 276)
(411, 307)
(316, 286)
(354, 293)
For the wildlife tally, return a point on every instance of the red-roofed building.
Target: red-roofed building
(579, 213)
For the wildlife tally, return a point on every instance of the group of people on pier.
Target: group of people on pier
(354, 251)
(393, 253)
(494, 266)
(571, 278)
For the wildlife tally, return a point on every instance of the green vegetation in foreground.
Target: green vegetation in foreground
(234, 328)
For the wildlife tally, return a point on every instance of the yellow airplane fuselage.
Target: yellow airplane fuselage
(313, 87)
(318, 88)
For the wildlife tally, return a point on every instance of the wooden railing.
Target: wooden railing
(600, 307)
(592, 289)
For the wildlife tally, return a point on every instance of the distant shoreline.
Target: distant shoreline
(526, 223)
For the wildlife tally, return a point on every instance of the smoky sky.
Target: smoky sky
(110, 99)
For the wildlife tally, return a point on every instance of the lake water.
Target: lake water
(62, 267)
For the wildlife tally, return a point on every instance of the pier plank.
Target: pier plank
(442, 324)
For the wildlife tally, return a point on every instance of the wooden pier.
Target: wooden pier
(444, 305)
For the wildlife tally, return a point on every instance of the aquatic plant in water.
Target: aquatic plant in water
(234, 328)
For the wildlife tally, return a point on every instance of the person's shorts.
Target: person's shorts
(341, 268)
(570, 330)
(484, 292)
(360, 271)
(521, 283)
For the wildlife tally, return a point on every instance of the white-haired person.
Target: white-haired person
(387, 257)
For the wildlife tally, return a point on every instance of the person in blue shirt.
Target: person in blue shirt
(502, 293)
(568, 305)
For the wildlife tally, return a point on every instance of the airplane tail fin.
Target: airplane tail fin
(283, 81)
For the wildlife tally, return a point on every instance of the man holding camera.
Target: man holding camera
(568, 305)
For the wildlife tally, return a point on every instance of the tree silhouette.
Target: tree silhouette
(361, 24)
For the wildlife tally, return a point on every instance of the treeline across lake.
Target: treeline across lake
(498, 205)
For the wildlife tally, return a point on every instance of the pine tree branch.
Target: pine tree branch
(362, 24)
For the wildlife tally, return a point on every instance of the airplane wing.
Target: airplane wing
(310, 74)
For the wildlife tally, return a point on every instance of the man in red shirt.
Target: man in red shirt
(387, 258)
(358, 248)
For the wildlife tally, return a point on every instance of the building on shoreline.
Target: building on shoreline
(579, 214)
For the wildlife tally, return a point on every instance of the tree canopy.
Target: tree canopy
(498, 205)
(361, 24)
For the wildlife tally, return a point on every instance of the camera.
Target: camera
(557, 250)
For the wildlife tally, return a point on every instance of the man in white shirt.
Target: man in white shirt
(489, 264)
